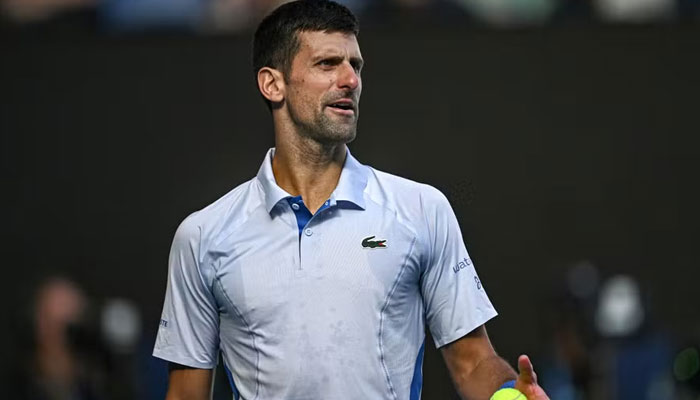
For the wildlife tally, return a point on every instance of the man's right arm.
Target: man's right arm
(187, 383)
(188, 334)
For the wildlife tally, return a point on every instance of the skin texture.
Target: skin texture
(189, 383)
(310, 141)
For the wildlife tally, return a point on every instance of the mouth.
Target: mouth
(343, 107)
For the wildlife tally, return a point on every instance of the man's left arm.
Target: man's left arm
(478, 372)
(456, 308)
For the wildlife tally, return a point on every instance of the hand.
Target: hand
(527, 380)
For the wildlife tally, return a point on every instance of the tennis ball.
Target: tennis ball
(508, 394)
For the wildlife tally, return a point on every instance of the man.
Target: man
(315, 279)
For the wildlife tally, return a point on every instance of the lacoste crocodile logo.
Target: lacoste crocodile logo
(373, 244)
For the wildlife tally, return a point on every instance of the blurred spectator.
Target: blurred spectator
(139, 15)
(637, 354)
(229, 15)
(238, 15)
(568, 373)
(635, 10)
(604, 345)
(413, 13)
(686, 370)
(24, 11)
(63, 359)
(506, 13)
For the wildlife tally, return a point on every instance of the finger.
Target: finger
(527, 372)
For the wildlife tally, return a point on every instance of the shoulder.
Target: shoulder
(419, 206)
(416, 205)
(231, 209)
(404, 194)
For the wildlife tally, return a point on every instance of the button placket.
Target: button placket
(308, 246)
(308, 237)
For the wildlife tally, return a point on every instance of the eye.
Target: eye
(327, 62)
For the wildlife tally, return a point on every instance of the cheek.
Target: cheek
(300, 95)
(304, 102)
(310, 92)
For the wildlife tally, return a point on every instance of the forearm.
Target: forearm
(189, 383)
(484, 379)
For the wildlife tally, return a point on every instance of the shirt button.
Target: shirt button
(295, 206)
(308, 232)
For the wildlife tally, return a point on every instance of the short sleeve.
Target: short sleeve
(189, 327)
(454, 298)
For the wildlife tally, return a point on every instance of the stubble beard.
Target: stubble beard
(323, 129)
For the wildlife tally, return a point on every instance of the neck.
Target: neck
(303, 166)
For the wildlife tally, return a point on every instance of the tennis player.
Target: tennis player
(316, 278)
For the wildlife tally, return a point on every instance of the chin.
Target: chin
(331, 138)
(329, 132)
(344, 133)
(349, 138)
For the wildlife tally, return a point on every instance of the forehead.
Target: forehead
(312, 43)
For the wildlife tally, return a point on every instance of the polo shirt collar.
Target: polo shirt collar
(351, 185)
(352, 182)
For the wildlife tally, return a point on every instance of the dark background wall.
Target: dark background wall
(555, 146)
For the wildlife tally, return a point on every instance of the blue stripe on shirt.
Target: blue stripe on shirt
(417, 382)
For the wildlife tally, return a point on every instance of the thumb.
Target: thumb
(527, 373)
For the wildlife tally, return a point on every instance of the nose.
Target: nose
(348, 77)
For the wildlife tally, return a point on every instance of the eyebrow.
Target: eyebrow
(334, 55)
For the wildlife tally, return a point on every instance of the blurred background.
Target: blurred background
(564, 132)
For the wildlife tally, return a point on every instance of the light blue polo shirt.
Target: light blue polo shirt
(329, 307)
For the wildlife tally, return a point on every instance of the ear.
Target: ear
(271, 84)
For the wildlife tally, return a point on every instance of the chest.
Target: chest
(341, 260)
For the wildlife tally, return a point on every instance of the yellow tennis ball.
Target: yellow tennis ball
(508, 394)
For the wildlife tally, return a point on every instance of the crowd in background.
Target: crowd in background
(215, 16)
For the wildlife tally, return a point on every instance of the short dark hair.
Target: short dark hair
(276, 42)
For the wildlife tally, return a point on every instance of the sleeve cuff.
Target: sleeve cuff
(441, 340)
(186, 361)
